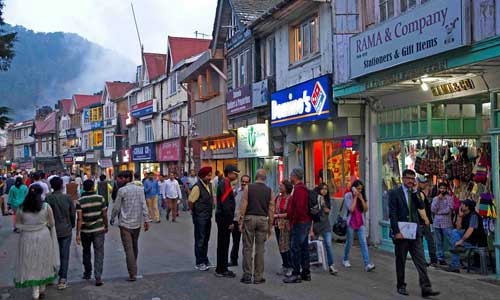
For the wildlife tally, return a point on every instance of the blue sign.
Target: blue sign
(26, 151)
(142, 109)
(144, 152)
(307, 101)
(96, 125)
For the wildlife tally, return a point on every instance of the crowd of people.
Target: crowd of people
(47, 209)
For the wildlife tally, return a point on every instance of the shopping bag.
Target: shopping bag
(317, 254)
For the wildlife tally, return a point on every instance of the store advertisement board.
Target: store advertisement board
(142, 109)
(260, 93)
(429, 29)
(307, 101)
(253, 141)
(169, 150)
(239, 100)
(144, 152)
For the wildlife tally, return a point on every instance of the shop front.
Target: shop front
(125, 162)
(78, 162)
(144, 158)
(90, 167)
(218, 153)
(170, 154)
(106, 167)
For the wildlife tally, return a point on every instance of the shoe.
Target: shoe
(159, 221)
(62, 285)
(203, 267)
(259, 281)
(232, 264)
(98, 282)
(132, 278)
(210, 265)
(452, 269)
(42, 295)
(86, 277)
(17, 230)
(229, 274)
(246, 279)
(292, 279)
(403, 291)
(306, 277)
(429, 293)
(346, 264)
(369, 267)
(443, 262)
(332, 270)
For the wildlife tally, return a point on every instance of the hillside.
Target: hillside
(51, 66)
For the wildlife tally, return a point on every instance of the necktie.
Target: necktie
(410, 204)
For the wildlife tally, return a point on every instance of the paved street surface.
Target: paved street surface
(166, 261)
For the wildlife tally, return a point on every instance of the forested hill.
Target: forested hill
(51, 66)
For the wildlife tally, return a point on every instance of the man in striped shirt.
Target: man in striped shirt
(91, 227)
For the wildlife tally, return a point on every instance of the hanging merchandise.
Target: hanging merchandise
(487, 211)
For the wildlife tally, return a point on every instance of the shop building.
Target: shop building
(20, 136)
(91, 124)
(144, 159)
(46, 142)
(431, 102)
(68, 132)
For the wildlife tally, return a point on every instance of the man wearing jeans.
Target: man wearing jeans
(152, 191)
(442, 206)
(91, 227)
(300, 222)
(130, 207)
(64, 217)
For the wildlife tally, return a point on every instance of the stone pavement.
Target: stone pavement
(166, 260)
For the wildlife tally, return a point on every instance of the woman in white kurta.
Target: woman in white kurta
(38, 254)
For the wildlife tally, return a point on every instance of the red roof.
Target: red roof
(117, 89)
(48, 125)
(182, 48)
(65, 105)
(82, 101)
(155, 64)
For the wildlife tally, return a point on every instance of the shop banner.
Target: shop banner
(253, 141)
(428, 29)
(79, 159)
(239, 100)
(169, 150)
(105, 163)
(68, 159)
(260, 93)
(71, 133)
(125, 155)
(142, 109)
(307, 101)
(144, 152)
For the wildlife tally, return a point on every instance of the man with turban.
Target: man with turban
(201, 205)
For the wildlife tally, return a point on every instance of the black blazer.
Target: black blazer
(398, 208)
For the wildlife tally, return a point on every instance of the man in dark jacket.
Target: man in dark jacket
(423, 183)
(102, 188)
(64, 217)
(224, 216)
(300, 223)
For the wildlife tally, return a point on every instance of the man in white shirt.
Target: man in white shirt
(43, 185)
(172, 193)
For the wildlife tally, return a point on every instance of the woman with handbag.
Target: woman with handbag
(354, 213)
(282, 226)
(323, 227)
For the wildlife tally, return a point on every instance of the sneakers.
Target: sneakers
(98, 282)
(285, 272)
(246, 279)
(346, 264)
(292, 279)
(201, 267)
(332, 270)
(369, 267)
(62, 285)
(227, 274)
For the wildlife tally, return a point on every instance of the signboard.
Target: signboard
(142, 109)
(260, 93)
(169, 150)
(429, 29)
(71, 133)
(26, 151)
(253, 141)
(307, 101)
(453, 87)
(68, 159)
(105, 163)
(239, 100)
(97, 124)
(238, 38)
(144, 152)
(79, 159)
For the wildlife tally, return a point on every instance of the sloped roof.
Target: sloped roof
(249, 10)
(155, 64)
(82, 101)
(47, 125)
(182, 48)
(65, 105)
(118, 89)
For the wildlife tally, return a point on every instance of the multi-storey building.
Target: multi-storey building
(46, 142)
(21, 143)
(69, 132)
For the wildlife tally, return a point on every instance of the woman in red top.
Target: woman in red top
(282, 226)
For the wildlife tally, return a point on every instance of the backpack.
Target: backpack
(314, 207)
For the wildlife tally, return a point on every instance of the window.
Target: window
(347, 16)
(233, 28)
(241, 66)
(407, 4)
(173, 83)
(148, 93)
(386, 8)
(110, 141)
(17, 134)
(148, 131)
(109, 111)
(268, 55)
(304, 40)
(96, 114)
(98, 139)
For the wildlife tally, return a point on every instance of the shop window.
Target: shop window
(453, 110)
(406, 115)
(414, 113)
(438, 111)
(486, 110)
(397, 116)
(391, 172)
(423, 112)
(386, 9)
(304, 40)
(347, 16)
(469, 110)
(390, 117)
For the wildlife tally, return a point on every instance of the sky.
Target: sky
(110, 23)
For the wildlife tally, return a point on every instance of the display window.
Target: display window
(391, 172)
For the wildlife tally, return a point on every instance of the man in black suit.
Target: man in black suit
(403, 207)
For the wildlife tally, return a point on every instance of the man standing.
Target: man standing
(201, 205)
(256, 219)
(38, 180)
(103, 188)
(91, 227)
(300, 223)
(173, 193)
(162, 196)
(192, 180)
(130, 207)
(442, 206)
(403, 207)
(152, 191)
(224, 216)
(236, 233)
(119, 183)
(63, 209)
(72, 190)
(423, 183)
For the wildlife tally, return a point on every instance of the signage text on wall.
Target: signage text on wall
(253, 141)
(260, 93)
(239, 100)
(144, 152)
(453, 87)
(142, 109)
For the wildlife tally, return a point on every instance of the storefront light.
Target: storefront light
(204, 147)
(424, 86)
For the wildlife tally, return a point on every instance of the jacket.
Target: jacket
(224, 212)
(298, 208)
(398, 208)
(17, 195)
(64, 212)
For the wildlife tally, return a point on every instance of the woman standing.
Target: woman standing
(323, 227)
(354, 210)
(282, 226)
(37, 259)
(17, 194)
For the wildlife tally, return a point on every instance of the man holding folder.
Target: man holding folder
(404, 206)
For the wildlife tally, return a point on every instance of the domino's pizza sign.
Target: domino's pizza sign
(307, 101)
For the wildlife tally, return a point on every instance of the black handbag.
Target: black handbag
(340, 226)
